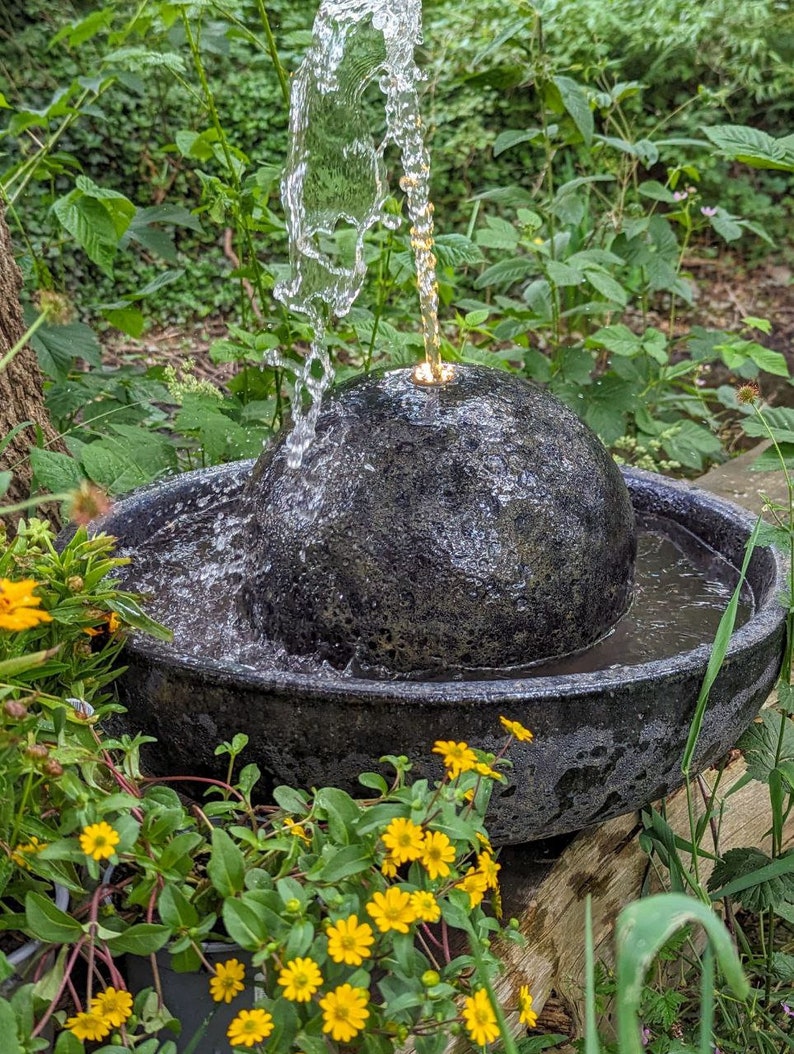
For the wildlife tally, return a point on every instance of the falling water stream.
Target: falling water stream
(335, 184)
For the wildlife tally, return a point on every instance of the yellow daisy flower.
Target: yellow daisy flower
(438, 854)
(489, 869)
(527, 1015)
(88, 1025)
(296, 829)
(20, 853)
(344, 1012)
(227, 981)
(250, 1027)
(349, 941)
(114, 1005)
(388, 868)
(300, 979)
(475, 884)
(99, 840)
(425, 906)
(404, 840)
(479, 1018)
(485, 770)
(515, 728)
(18, 605)
(392, 910)
(457, 757)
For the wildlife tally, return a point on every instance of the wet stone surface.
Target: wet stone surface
(475, 524)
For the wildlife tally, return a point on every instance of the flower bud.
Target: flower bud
(37, 751)
(53, 767)
(14, 709)
(293, 906)
(75, 584)
(430, 978)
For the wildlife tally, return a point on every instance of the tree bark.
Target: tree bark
(21, 391)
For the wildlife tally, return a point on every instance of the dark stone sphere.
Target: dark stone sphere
(474, 524)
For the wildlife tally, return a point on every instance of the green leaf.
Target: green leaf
(618, 339)
(760, 745)
(291, 800)
(751, 146)
(654, 190)
(128, 319)
(91, 225)
(5, 482)
(143, 938)
(753, 879)
(9, 1039)
(175, 909)
(226, 867)
(350, 860)
(57, 347)
(574, 99)
(48, 923)
(244, 924)
(55, 472)
(779, 420)
(506, 272)
(513, 137)
(607, 286)
(341, 812)
(689, 443)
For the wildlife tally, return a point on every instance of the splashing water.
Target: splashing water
(335, 184)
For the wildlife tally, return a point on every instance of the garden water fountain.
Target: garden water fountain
(429, 550)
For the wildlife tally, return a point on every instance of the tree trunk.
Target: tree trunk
(21, 394)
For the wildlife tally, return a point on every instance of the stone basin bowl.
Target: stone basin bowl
(605, 743)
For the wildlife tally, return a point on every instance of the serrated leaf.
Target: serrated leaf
(690, 443)
(760, 745)
(574, 99)
(55, 472)
(90, 224)
(607, 286)
(618, 339)
(751, 146)
(753, 879)
(506, 272)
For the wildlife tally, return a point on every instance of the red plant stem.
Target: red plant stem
(67, 973)
(445, 941)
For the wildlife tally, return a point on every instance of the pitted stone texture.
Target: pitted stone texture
(476, 524)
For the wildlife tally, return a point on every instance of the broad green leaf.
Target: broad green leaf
(291, 800)
(690, 443)
(618, 339)
(506, 272)
(55, 472)
(9, 1037)
(779, 420)
(141, 939)
(48, 923)
(175, 909)
(753, 879)
(561, 274)
(654, 190)
(513, 137)
(91, 225)
(226, 867)
(245, 925)
(767, 744)
(128, 319)
(350, 860)
(751, 146)
(607, 286)
(455, 250)
(574, 99)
